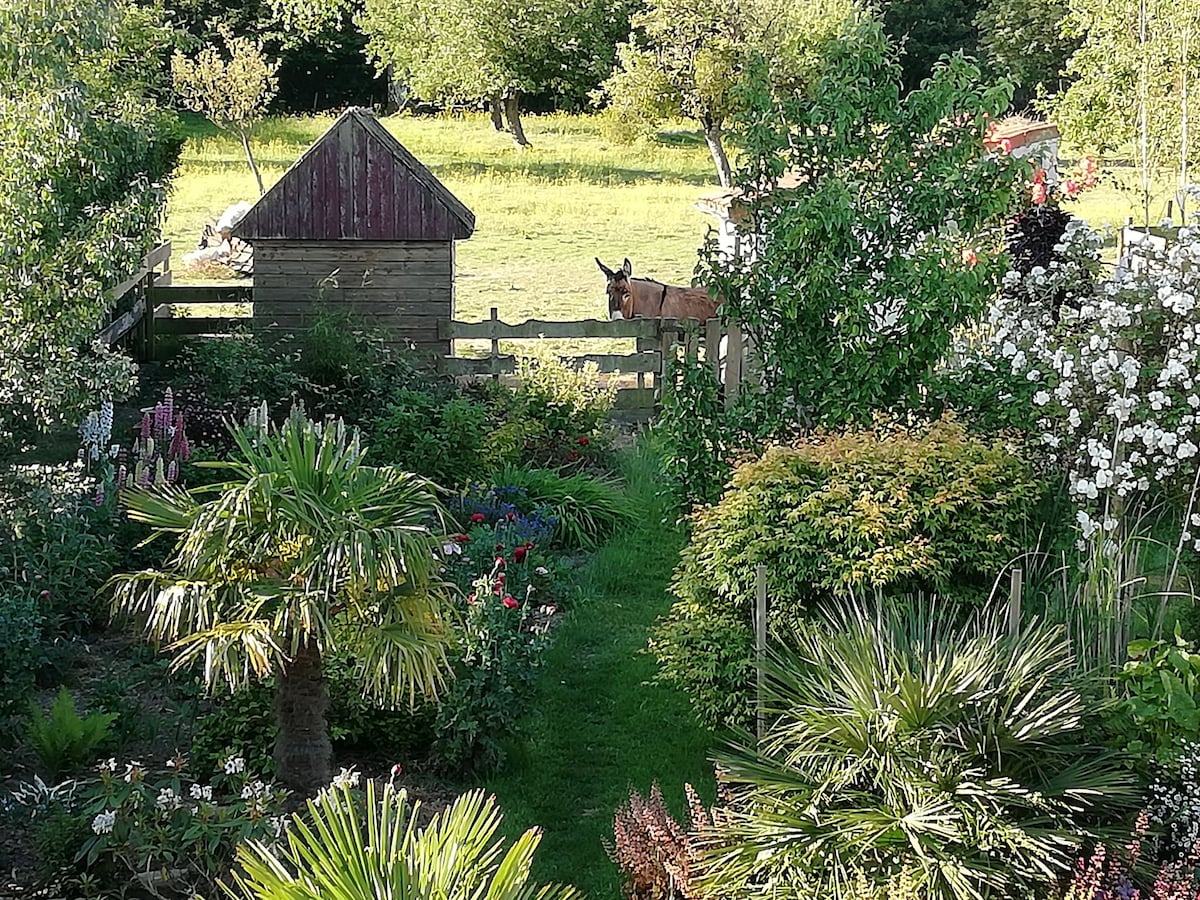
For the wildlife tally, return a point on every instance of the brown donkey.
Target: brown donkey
(632, 298)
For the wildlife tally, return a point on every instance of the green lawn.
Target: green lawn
(600, 726)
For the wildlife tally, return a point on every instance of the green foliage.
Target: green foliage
(697, 435)
(1159, 710)
(361, 849)
(857, 513)
(441, 438)
(85, 155)
(568, 403)
(588, 509)
(906, 748)
(928, 30)
(887, 241)
(64, 741)
(20, 651)
(175, 829)
(1115, 70)
(686, 56)
(1023, 41)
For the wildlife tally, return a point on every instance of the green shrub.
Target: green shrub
(854, 513)
(1159, 688)
(696, 433)
(64, 741)
(904, 747)
(20, 652)
(587, 508)
(441, 438)
(561, 409)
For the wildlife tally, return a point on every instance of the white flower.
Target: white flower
(168, 799)
(103, 823)
(541, 570)
(201, 793)
(1041, 398)
(345, 778)
(235, 765)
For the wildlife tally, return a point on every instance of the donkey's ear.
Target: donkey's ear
(603, 268)
(627, 267)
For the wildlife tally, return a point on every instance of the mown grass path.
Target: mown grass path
(601, 727)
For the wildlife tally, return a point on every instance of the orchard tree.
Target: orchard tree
(234, 92)
(466, 51)
(889, 239)
(1135, 84)
(926, 30)
(83, 158)
(685, 58)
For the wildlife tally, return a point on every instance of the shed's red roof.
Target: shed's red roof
(357, 182)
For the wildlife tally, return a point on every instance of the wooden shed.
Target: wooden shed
(357, 220)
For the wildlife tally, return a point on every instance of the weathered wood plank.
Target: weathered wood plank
(534, 328)
(350, 268)
(418, 302)
(121, 325)
(634, 398)
(201, 325)
(198, 293)
(339, 250)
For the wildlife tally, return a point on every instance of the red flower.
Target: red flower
(500, 561)
(501, 578)
(573, 455)
(509, 602)
(477, 518)
(470, 598)
(969, 258)
(510, 516)
(1039, 176)
(519, 554)
(583, 442)
(462, 538)
(397, 769)
(499, 548)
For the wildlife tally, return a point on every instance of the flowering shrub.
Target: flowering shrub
(1174, 802)
(568, 405)
(502, 636)
(892, 512)
(1106, 875)
(166, 829)
(507, 509)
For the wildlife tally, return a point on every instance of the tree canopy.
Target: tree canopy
(686, 57)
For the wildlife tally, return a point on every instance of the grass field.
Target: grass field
(542, 214)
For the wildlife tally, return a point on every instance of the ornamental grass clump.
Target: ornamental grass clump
(903, 744)
(855, 513)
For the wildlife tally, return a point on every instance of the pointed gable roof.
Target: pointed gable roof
(357, 182)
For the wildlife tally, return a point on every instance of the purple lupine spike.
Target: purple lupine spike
(172, 471)
(100, 494)
(161, 422)
(169, 403)
(122, 471)
(147, 427)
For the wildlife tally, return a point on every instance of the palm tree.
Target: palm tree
(338, 851)
(303, 551)
(911, 755)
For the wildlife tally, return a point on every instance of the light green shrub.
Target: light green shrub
(860, 513)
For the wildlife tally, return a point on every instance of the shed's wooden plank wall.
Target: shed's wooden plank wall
(404, 287)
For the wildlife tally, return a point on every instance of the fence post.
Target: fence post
(1014, 603)
(495, 344)
(733, 364)
(760, 645)
(149, 329)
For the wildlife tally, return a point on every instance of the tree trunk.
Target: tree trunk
(303, 752)
(712, 137)
(512, 112)
(497, 112)
(245, 136)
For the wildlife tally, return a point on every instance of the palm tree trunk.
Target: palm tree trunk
(303, 752)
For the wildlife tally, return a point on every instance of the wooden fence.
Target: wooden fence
(658, 341)
(151, 307)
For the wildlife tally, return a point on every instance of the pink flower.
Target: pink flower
(509, 602)
(1006, 145)
(1071, 188)
(969, 258)
(462, 538)
(1038, 194)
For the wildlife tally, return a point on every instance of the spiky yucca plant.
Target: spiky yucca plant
(303, 550)
(906, 746)
(341, 850)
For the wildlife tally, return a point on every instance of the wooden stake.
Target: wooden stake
(1014, 603)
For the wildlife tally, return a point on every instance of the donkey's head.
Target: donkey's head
(620, 299)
